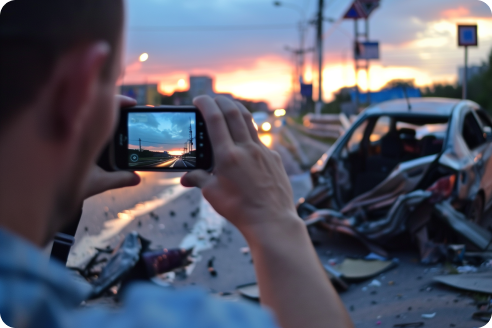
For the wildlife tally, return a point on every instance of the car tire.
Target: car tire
(475, 213)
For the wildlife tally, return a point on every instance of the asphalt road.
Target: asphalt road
(168, 215)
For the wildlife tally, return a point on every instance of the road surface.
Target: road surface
(188, 162)
(178, 163)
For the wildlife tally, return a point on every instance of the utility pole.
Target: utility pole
(367, 66)
(356, 61)
(319, 36)
(140, 144)
(191, 138)
(465, 75)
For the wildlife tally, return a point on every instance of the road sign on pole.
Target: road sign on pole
(367, 50)
(361, 9)
(467, 37)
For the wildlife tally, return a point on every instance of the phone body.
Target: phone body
(159, 139)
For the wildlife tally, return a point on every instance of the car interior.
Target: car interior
(380, 143)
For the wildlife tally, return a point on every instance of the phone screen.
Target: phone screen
(162, 140)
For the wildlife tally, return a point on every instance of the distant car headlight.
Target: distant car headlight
(279, 112)
(266, 126)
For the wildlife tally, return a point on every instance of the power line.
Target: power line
(162, 143)
(206, 28)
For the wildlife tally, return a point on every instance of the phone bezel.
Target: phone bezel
(120, 149)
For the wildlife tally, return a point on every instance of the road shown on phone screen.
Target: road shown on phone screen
(177, 163)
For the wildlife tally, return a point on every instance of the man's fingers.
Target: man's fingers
(196, 178)
(235, 121)
(120, 179)
(216, 124)
(248, 118)
(125, 101)
(101, 181)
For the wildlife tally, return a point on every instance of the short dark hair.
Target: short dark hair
(34, 34)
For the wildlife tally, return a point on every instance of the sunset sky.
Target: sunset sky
(160, 131)
(418, 40)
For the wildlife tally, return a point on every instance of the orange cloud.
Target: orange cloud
(456, 12)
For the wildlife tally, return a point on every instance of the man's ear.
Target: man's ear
(74, 86)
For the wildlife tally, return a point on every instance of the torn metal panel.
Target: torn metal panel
(469, 230)
(403, 179)
(395, 222)
(125, 258)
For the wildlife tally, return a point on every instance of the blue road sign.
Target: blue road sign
(306, 90)
(361, 9)
(467, 35)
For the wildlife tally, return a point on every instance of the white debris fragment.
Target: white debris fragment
(429, 316)
(374, 283)
(245, 250)
(466, 269)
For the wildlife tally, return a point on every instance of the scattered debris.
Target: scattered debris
(245, 250)
(336, 277)
(373, 256)
(477, 282)
(132, 260)
(466, 269)
(374, 283)
(172, 213)
(429, 316)
(251, 291)
(211, 268)
(154, 216)
(484, 316)
(359, 269)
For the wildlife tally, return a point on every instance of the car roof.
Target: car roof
(420, 106)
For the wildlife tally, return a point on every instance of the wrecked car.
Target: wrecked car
(420, 167)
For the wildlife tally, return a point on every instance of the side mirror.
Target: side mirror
(487, 131)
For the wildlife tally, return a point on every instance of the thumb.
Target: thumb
(196, 178)
(120, 179)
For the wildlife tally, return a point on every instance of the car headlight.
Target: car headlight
(266, 126)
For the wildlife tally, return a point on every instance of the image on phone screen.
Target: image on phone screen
(162, 140)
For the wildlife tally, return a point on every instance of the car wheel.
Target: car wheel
(475, 214)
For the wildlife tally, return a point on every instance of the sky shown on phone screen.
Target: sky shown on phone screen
(161, 132)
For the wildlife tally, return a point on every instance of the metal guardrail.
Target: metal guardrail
(326, 125)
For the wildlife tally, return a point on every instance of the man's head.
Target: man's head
(59, 62)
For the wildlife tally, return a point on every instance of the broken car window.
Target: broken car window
(484, 118)
(472, 132)
(381, 128)
(354, 142)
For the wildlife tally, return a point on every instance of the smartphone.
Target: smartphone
(164, 138)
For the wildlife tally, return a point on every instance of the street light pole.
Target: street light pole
(299, 53)
(319, 43)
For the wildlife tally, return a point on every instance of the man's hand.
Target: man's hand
(249, 185)
(99, 180)
(250, 188)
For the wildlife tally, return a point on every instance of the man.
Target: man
(59, 62)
